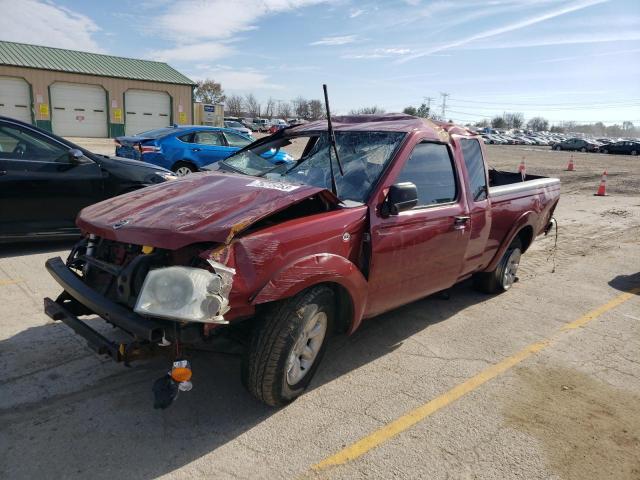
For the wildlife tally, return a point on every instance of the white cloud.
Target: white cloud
(241, 81)
(37, 22)
(381, 53)
(335, 40)
(199, 26)
(356, 13)
(203, 52)
(568, 39)
(190, 21)
(526, 22)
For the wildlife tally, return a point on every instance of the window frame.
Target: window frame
(216, 132)
(456, 177)
(224, 135)
(460, 139)
(39, 137)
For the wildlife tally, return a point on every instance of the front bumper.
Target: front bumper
(80, 299)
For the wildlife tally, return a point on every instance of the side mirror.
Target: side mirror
(402, 196)
(76, 155)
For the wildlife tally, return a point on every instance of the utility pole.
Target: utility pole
(444, 104)
(428, 100)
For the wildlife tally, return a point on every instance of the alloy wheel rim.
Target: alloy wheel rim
(306, 349)
(510, 270)
(182, 171)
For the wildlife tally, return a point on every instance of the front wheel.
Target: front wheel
(287, 346)
(504, 276)
(557, 148)
(634, 152)
(583, 149)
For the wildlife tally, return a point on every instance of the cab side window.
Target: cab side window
(430, 168)
(17, 143)
(475, 168)
(208, 138)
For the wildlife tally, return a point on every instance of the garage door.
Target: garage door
(15, 98)
(146, 110)
(78, 110)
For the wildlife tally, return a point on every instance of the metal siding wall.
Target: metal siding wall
(41, 79)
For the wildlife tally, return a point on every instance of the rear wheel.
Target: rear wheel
(287, 345)
(634, 152)
(184, 168)
(583, 149)
(605, 151)
(504, 276)
(557, 147)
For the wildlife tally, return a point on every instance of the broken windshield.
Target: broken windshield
(363, 156)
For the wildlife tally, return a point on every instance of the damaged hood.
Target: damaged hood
(207, 207)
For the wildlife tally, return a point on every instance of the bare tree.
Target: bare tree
(316, 109)
(627, 126)
(513, 120)
(538, 124)
(233, 105)
(498, 122)
(270, 108)
(208, 91)
(300, 107)
(374, 110)
(252, 105)
(284, 110)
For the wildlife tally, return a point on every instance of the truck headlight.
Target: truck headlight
(185, 293)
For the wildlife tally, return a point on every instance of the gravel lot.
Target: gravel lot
(569, 411)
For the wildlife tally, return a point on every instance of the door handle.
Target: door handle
(460, 221)
(3, 172)
(195, 149)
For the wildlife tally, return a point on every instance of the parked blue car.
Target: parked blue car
(186, 149)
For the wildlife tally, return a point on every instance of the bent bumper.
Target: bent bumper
(139, 327)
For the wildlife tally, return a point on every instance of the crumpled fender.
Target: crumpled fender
(312, 270)
(524, 220)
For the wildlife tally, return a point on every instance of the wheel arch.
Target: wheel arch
(337, 272)
(522, 229)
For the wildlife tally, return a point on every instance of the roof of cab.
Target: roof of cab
(390, 122)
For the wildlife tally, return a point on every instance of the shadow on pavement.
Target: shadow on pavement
(20, 249)
(105, 426)
(626, 283)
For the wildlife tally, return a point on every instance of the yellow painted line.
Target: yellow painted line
(4, 282)
(373, 440)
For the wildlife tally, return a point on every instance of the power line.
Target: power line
(612, 102)
(444, 103)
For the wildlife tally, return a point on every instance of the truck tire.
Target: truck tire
(504, 276)
(287, 346)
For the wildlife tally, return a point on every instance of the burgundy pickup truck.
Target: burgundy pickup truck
(283, 256)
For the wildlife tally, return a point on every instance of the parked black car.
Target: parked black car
(46, 180)
(577, 144)
(625, 147)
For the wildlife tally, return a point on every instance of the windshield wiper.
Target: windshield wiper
(332, 140)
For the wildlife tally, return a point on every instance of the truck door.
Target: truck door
(420, 251)
(478, 202)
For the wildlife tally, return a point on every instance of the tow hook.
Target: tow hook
(167, 387)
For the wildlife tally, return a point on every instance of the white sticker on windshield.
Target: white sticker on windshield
(283, 187)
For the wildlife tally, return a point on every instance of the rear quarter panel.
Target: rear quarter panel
(513, 212)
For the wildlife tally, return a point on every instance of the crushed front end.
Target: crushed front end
(157, 297)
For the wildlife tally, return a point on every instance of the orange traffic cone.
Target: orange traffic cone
(602, 189)
(571, 167)
(522, 169)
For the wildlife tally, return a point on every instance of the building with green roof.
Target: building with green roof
(82, 94)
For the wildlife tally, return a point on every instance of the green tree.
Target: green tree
(209, 91)
(410, 111)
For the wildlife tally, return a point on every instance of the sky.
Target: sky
(566, 60)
